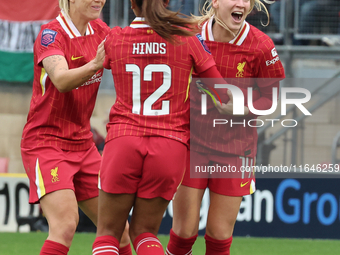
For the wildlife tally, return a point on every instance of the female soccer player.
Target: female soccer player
(240, 51)
(146, 145)
(58, 152)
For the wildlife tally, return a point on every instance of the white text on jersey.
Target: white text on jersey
(97, 77)
(149, 48)
(273, 61)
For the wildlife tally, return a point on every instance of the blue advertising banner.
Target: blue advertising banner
(294, 208)
(291, 208)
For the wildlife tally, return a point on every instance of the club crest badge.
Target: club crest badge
(240, 68)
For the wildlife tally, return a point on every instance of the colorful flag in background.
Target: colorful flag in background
(20, 22)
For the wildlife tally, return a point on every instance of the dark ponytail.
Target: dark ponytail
(166, 23)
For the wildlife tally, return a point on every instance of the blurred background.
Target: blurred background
(307, 37)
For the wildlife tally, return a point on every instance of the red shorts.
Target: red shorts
(150, 166)
(50, 168)
(225, 175)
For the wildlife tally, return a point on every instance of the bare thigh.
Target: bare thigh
(90, 208)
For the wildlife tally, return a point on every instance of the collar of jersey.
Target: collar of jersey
(67, 24)
(139, 22)
(239, 38)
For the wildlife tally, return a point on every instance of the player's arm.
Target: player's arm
(265, 102)
(65, 79)
(225, 106)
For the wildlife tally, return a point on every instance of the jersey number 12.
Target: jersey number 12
(147, 76)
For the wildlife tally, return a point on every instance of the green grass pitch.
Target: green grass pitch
(30, 244)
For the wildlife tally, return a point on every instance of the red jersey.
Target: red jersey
(251, 55)
(63, 119)
(151, 78)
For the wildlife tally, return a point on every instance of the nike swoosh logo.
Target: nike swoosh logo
(75, 58)
(244, 184)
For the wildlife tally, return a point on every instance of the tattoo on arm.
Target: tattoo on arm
(85, 78)
(56, 64)
(53, 63)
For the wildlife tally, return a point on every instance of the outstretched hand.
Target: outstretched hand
(98, 61)
(228, 107)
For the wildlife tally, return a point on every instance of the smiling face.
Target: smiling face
(87, 9)
(232, 12)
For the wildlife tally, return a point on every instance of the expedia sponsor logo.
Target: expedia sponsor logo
(274, 52)
(273, 61)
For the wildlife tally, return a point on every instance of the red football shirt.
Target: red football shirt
(151, 78)
(63, 119)
(249, 60)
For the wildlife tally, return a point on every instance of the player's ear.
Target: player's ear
(215, 4)
(133, 4)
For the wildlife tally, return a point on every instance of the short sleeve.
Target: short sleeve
(200, 54)
(49, 42)
(270, 67)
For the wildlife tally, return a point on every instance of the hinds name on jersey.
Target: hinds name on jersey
(149, 48)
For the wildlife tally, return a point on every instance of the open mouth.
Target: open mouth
(237, 16)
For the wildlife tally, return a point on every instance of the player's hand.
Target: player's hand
(98, 61)
(228, 107)
(203, 88)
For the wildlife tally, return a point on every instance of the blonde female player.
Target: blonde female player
(247, 58)
(58, 152)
